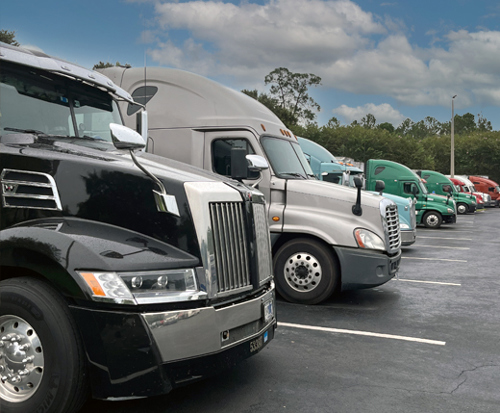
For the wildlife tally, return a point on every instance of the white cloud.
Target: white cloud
(383, 113)
(299, 34)
(349, 48)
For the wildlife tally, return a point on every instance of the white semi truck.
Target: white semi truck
(324, 237)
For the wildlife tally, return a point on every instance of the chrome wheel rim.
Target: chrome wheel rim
(432, 220)
(462, 209)
(303, 272)
(21, 359)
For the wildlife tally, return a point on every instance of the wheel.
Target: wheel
(305, 271)
(42, 365)
(432, 219)
(462, 208)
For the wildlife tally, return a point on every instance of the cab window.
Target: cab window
(221, 152)
(408, 188)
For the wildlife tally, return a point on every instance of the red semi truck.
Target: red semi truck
(487, 186)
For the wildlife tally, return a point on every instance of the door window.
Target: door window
(221, 151)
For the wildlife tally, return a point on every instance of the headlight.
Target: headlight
(369, 240)
(451, 211)
(143, 287)
(404, 226)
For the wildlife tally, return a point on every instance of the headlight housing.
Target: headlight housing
(450, 211)
(403, 226)
(144, 287)
(369, 240)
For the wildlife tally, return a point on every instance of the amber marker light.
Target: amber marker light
(93, 284)
(276, 219)
(263, 127)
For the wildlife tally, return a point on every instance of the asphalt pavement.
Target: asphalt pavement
(427, 341)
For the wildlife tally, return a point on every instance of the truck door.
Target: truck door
(217, 158)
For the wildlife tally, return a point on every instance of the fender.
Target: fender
(56, 248)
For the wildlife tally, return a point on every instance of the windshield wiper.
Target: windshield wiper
(32, 131)
(295, 174)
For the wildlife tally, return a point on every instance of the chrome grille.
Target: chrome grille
(28, 189)
(393, 231)
(230, 246)
(263, 241)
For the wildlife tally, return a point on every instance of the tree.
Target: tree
(8, 37)
(483, 124)
(387, 126)
(285, 115)
(102, 65)
(369, 121)
(291, 92)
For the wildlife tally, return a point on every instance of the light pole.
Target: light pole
(452, 161)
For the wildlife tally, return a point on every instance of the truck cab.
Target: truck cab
(122, 274)
(431, 210)
(463, 184)
(325, 238)
(488, 186)
(326, 167)
(437, 183)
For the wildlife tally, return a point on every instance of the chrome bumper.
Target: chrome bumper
(192, 333)
(408, 237)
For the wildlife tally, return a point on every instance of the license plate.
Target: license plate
(257, 343)
(268, 311)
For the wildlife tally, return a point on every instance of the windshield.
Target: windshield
(422, 187)
(36, 101)
(286, 158)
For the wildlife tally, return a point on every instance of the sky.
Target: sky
(395, 59)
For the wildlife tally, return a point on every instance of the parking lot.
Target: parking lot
(425, 342)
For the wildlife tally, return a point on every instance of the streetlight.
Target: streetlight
(452, 161)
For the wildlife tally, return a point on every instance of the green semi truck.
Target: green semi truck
(437, 183)
(432, 210)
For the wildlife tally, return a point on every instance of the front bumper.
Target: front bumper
(450, 219)
(361, 268)
(408, 237)
(133, 355)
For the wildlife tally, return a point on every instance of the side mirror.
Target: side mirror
(256, 163)
(356, 209)
(142, 124)
(126, 138)
(239, 167)
(358, 183)
(414, 190)
(379, 186)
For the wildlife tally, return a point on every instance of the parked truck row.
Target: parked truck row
(133, 262)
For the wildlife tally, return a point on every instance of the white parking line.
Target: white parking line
(458, 239)
(444, 246)
(362, 333)
(432, 259)
(427, 282)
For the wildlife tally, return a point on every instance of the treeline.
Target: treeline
(477, 152)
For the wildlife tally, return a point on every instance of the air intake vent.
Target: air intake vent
(27, 189)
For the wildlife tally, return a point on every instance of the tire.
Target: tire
(33, 313)
(305, 271)
(432, 219)
(462, 208)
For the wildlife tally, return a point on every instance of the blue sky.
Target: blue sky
(395, 59)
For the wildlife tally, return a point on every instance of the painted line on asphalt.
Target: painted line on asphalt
(362, 333)
(432, 259)
(447, 230)
(458, 239)
(444, 246)
(427, 282)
